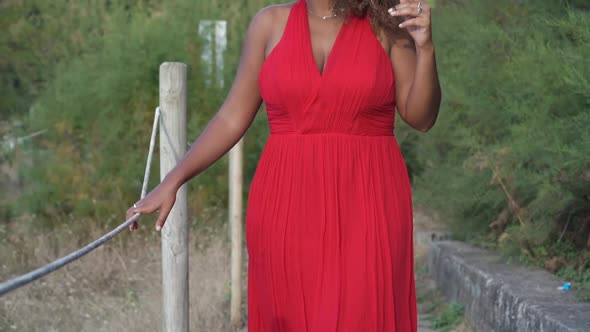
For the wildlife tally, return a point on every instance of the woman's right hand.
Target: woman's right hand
(161, 199)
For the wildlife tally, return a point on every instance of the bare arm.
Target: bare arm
(237, 112)
(223, 131)
(418, 93)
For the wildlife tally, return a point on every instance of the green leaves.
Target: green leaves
(513, 129)
(98, 98)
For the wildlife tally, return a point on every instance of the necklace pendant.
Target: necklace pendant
(322, 16)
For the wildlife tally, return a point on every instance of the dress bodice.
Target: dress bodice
(354, 94)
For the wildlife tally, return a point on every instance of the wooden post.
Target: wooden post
(215, 35)
(175, 232)
(235, 222)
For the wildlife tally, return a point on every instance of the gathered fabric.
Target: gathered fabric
(329, 217)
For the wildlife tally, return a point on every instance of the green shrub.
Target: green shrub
(450, 317)
(98, 108)
(507, 163)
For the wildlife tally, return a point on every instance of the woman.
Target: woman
(329, 218)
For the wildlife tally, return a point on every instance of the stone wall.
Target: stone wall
(503, 297)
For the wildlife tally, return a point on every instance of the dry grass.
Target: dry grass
(118, 286)
(114, 288)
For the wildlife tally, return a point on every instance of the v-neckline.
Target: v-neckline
(329, 58)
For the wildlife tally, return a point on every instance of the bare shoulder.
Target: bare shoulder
(271, 15)
(277, 11)
(270, 22)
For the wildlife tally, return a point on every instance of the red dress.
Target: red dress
(329, 219)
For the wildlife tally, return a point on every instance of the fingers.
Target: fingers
(414, 22)
(143, 210)
(162, 217)
(140, 208)
(409, 8)
(159, 200)
(130, 213)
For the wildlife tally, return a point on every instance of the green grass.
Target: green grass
(450, 316)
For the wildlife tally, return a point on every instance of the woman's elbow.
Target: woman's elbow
(426, 125)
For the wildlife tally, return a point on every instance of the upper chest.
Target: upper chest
(323, 34)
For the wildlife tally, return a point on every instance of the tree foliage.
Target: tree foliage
(91, 74)
(508, 161)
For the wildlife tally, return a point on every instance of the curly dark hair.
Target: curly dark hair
(377, 11)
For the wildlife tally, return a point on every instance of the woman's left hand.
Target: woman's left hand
(417, 14)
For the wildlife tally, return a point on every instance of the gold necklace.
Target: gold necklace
(320, 16)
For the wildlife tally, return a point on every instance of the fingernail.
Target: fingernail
(158, 228)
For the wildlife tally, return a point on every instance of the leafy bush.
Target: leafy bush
(38, 35)
(98, 104)
(449, 318)
(507, 162)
